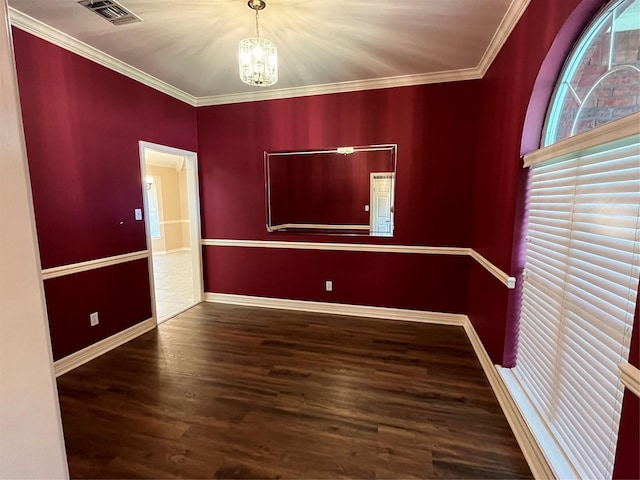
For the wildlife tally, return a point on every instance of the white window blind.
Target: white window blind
(579, 294)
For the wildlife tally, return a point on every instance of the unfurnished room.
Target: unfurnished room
(332, 239)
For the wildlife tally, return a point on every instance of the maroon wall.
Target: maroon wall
(505, 93)
(356, 276)
(121, 303)
(82, 125)
(457, 185)
(533, 55)
(324, 188)
(433, 126)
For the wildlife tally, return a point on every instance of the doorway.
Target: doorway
(172, 221)
(381, 193)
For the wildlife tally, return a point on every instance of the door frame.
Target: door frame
(193, 200)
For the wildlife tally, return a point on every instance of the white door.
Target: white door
(381, 219)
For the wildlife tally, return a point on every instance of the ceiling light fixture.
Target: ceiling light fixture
(258, 56)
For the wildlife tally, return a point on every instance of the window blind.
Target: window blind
(579, 293)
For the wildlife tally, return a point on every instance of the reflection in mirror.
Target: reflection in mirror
(345, 190)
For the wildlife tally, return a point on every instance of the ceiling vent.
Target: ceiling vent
(110, 10)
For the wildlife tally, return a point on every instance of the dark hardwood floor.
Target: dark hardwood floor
(234, 392)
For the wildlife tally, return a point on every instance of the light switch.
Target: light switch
(138, 212)
(366, 208)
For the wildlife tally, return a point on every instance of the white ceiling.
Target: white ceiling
(191, 45)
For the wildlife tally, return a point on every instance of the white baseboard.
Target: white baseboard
(87, 354)
(540, 467)
(339, 309)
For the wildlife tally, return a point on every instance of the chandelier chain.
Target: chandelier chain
(257, 23)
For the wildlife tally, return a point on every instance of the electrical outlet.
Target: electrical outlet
(328, 286)
(93, 319)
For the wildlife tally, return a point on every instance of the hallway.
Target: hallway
(173, 278)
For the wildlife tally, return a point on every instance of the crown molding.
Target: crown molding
(50, 34)
(342, 87)
(509, 21)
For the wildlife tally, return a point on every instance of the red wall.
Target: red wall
(413, 281)
(120, 293)
(324, 188)
(82, 125)
(505, 93)
(457, 185)
(433, 126)
(498, 181)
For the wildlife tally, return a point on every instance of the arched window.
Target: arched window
(582, 255)
(601, 79)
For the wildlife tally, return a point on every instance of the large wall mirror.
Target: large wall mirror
(345, 190)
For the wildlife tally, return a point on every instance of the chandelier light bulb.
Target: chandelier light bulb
(258, 57)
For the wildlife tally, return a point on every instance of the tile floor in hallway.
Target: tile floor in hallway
(173, 278)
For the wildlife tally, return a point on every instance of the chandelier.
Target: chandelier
(258, 56)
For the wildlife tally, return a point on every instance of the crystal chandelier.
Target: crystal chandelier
(258, 56)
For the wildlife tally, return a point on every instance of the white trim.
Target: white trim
(624, 128)
(351, 247)
(56, 37)
(316, 226)
(630, 376)
(72, 268)
(509, 21)
(342, 87)
(87, 354)
(540, 467)
(52, 35)
(552, 452)
(173, 222)
(339, 309)
(510, 282)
